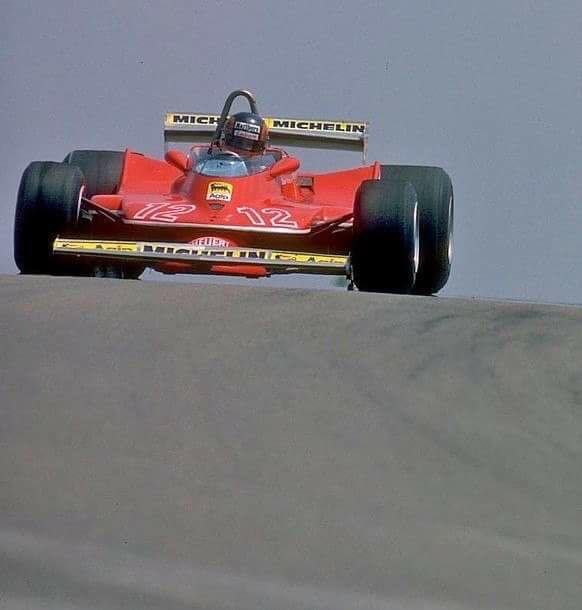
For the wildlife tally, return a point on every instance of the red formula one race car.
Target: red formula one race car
(236, 206)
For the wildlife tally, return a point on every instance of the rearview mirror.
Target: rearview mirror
(178, 159)
(286, 165)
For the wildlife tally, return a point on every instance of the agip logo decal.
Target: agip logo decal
(219, 191)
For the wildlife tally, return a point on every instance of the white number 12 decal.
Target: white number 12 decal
(163, 212)
(274, 217)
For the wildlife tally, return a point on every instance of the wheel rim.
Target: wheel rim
(79, 202)
(416, 225)
(450, 229)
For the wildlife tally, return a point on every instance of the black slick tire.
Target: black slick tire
(385, 247)
(101, 168)
(48, 204)
(436, 207)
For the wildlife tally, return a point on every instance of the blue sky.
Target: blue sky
(490, 91)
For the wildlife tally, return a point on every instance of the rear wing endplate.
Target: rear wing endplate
(303, 133)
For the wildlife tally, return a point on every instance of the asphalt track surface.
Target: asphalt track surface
(181, 447)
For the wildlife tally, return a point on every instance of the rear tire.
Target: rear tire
(101, 168)
(436, 206)
(385, 248)
(48, 204)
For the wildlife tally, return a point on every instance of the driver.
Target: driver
(246, 134)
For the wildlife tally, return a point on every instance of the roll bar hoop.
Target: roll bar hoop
(226, 109)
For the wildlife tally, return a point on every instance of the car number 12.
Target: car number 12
(164, 212)
(273, 217)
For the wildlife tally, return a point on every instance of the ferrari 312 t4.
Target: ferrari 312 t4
(236, 205)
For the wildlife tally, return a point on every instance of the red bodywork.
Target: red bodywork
(295, 211)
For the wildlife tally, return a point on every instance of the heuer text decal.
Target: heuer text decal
(219, 191)
(212, 242)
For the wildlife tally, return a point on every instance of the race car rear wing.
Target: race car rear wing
(302, 133)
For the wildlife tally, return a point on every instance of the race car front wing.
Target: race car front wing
(275, 261)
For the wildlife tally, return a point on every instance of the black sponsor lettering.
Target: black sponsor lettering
(320, 126)
(247, 127)
(194, 119)
(181, 118)
(206, 252)
(221, 253)
(158, 249)
(350, 128)
(251, 254)
(205, 120)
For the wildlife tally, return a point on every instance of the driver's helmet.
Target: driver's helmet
(246, 133)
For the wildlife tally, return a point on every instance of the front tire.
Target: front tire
(385, 248)
(436, 206)
(49, 199)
